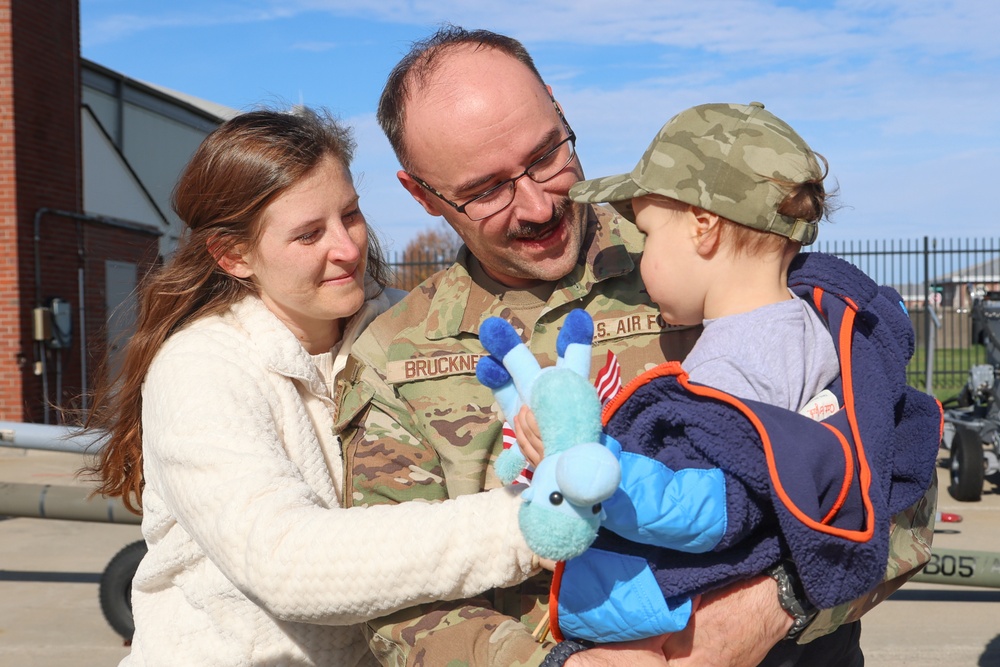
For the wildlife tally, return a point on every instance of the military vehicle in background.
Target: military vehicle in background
(972, 418)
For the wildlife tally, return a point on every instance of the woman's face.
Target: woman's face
(309, 266)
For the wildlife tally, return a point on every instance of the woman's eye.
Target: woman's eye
(308, 237)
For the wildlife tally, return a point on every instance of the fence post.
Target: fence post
(932, 328)
(928, 343)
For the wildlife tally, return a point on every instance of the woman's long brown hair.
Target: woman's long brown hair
(221, 196)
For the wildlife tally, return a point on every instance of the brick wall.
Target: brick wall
(40, 169)
(61, 276)
(10, 327)
(40, 143)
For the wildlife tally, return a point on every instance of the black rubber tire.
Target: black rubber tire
(116, 588)
(967, 466)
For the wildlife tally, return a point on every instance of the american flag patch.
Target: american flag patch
(609, 379)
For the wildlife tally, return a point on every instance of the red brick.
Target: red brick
(40, 168)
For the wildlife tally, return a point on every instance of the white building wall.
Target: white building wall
(158, 147)
(109, 188)
(137, 139)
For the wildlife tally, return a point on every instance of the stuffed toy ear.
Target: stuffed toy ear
(500, 339)
(510, 464)
(498, 336)
(574, 342)
(491, 373)
(503, 343)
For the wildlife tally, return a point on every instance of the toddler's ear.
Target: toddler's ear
(708, 230)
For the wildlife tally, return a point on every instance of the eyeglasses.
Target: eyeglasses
(501, 195)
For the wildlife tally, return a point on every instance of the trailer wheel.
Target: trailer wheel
(116, 588)
(967, 466)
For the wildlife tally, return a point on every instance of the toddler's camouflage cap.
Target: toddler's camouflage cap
(724, 158)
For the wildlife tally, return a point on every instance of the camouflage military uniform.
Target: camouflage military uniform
(419, 426)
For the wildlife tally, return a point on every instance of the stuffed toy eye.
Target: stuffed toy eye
(556, 498)
(596, 508)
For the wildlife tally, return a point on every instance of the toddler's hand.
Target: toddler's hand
(529, 439)
(543, 563)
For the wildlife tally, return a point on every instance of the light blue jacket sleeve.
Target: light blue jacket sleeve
(612, 597)
(683, 510)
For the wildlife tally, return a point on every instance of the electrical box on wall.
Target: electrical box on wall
(41, 324)
(62, 323)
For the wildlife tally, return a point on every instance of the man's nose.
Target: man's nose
(532, 201)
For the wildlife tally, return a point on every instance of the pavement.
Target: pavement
(50, 615)
(933, 625)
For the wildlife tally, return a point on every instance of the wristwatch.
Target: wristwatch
(792, 597)
(561, 652)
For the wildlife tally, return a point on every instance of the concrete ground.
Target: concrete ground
(931, 625)
(50, 615)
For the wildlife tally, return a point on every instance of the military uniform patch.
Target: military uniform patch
(422, 368)
(618, 327)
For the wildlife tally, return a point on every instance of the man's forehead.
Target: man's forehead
(466, 111)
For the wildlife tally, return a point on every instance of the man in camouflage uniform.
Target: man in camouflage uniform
(465, 118)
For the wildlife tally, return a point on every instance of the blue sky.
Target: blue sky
(901, 96)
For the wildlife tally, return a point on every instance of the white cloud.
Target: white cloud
(721, 26)
(713, 26)
(100, 27)
(900, 95)
(313, 47)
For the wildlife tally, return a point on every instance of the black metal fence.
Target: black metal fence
(938, 278)
(412, 268)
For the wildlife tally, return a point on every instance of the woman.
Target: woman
(221, 424)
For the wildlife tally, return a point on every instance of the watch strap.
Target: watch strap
(792, 597)
(561, 652)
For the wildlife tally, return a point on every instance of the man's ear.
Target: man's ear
(423, 196)
(552, 97)
(708, 228)
(231, 261)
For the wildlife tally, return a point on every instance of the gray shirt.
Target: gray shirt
(781, 354)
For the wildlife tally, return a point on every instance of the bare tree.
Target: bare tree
(428, 252)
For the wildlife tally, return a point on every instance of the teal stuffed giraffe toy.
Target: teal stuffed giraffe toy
(562, 508)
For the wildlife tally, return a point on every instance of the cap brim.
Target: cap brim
(609, 189)
(615, 190)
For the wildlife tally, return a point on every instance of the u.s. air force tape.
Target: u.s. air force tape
(618, 327)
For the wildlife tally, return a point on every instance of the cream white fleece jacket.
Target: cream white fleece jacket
(251, 559)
